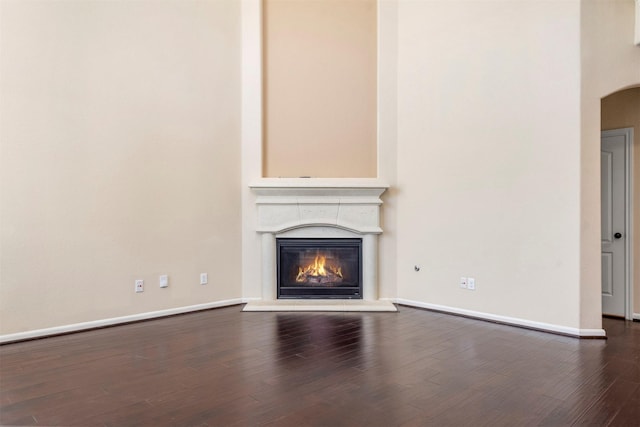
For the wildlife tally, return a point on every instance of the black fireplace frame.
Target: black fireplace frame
(306, 292)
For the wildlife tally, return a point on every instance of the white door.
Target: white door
(614, 235)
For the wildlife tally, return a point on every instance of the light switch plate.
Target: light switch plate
(164, 281)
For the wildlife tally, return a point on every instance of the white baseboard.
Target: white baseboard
(636, 316)
(75, 327)
(599, 333)
(514, 321)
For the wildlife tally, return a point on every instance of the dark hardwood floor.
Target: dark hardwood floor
(227, 368)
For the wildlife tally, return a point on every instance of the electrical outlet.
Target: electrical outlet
(204, 278)
(139, 286)
(471, 283)
(463, 282)
(164, 281)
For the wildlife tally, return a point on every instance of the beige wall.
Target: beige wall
(609, 62)
(120, 158)
(488, 157)
(320, 88)
(120, 144)
(622, 110)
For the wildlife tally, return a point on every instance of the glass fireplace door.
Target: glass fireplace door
(319, 268)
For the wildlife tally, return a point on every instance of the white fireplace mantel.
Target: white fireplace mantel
(320, 207)
(288, 203)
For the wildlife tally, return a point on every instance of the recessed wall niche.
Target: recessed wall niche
(320, 72)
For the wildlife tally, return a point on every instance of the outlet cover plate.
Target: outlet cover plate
(471, 283)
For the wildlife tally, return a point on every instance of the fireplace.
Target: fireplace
(318, 246)
(319, 268)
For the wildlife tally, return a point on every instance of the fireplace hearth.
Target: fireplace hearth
(319, 268)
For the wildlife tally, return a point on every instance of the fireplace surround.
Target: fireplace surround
(318, 208)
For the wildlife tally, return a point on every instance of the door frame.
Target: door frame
(628, 176)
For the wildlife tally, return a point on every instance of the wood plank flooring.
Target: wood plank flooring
(223, 367)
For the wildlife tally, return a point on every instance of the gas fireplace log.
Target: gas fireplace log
(308, 277)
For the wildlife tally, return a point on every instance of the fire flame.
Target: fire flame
(317, 269)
